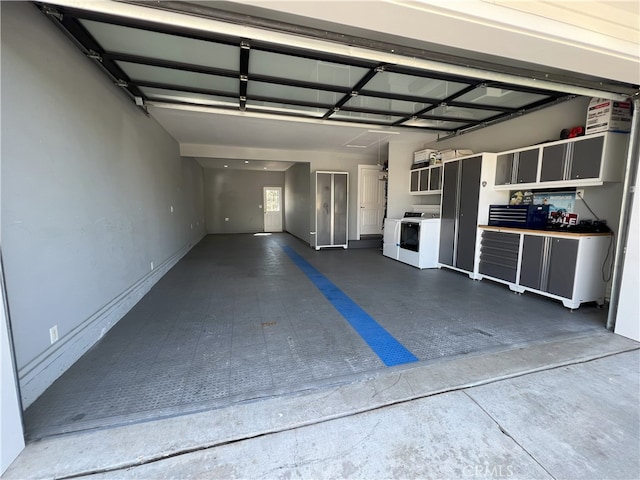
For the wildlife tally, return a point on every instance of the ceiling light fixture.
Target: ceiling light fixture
(226, 166)
(246, 161)
(355, 146)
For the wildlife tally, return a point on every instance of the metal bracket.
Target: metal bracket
(52, 12)
(93, 55)
(121, 83)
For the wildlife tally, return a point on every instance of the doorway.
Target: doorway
(370, 200)
(272, 209)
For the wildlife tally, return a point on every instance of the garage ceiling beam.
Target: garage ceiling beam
(204, 17)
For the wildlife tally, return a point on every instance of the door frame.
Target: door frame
(264, 206)
(359, 190)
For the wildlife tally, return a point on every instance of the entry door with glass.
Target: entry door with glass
(272, 209)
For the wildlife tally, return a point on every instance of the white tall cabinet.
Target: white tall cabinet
(331, 209)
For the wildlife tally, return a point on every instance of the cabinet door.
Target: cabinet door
(415, 180)
(435, 179)
(323, 209)
(449, 212)
(468, 217)
(562, 266)
(340, 181)
(424, 180)
(553, 163)
(504, 169)
(527, 166)
(533, 260)
(587, 158)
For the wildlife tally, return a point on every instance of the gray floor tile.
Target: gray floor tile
(235, 319)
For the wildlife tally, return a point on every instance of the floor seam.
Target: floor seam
(506, 433)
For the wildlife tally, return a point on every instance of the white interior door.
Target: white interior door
(371, 199)
(272, 209)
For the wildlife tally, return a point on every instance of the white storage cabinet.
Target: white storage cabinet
(564, 266)
(332, 209)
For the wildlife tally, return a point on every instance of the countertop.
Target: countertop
(550, 233)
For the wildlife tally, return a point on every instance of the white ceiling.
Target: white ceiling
(237, 164)
(275, 133)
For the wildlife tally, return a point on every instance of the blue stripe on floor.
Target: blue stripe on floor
(390, 351)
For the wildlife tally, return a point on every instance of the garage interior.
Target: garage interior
(115, 208)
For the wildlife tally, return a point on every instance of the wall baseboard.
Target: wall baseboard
(42, 371)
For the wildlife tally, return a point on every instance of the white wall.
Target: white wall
(238, 196)
(11, 434)
(628, 317)
(88, 185)
(399, 200)
(536, 127)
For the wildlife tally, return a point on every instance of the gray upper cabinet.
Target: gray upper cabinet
(576, 160)
(583, 161)
(426, 180)
(517, 167)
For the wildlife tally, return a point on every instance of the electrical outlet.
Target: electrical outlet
(151, 265)
(53, 334)
(226, 219)
(171, 208)
(580, 192)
